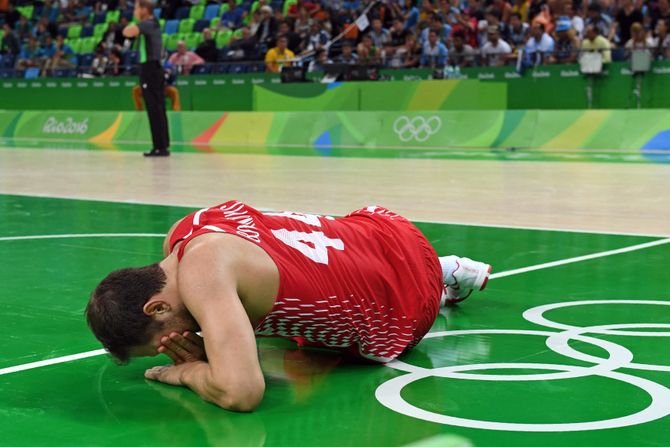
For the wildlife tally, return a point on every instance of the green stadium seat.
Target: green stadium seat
(223, 38)
(75, 44)
(161, 22)
(224, 8)
(87, 45)
(254, 7)
(192, 40)
(238, 33)
(173, 40)
(74, 31)
(99, 30)
(2, 33)
(164, 39)
(113, 16)
(215, 22)
(197, 12)
(26, 11)
(186, 26)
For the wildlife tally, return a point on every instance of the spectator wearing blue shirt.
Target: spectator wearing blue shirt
(58, 55)
(436, 23)
(435, 53)
(540, 45)
(233, 17)
(412, 16)
(28, 54)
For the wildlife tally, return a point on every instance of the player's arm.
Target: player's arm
(232, 377)
(131, 31)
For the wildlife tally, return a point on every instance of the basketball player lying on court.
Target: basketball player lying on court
(368, 284)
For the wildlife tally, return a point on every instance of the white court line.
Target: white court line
(68, 236)
(97, 352)
(267, 209)
(602, 254)
(54, 361)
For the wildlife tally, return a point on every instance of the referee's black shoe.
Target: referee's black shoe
(157, 153)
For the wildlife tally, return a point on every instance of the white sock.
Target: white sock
(449, 265)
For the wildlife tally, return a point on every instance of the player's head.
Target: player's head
(132, 308)
(143, 9)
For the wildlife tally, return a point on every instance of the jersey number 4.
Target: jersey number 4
(314, 245)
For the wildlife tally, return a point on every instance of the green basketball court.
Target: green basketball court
(489, 374)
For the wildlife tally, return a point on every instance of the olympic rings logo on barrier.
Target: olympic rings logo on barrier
(416, 128)
(389, 392)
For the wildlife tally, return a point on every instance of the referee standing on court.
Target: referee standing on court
(152, 79)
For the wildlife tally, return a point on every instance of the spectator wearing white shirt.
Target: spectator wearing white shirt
(434, 53)
(540, 45)
(496, 50)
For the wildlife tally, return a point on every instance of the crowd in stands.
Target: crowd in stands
(83, 37)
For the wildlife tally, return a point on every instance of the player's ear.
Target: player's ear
(152, 308)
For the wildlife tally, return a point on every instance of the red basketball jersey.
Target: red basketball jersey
(368, 283)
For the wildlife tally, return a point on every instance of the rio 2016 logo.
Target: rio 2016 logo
(417, 128)
(66, 127)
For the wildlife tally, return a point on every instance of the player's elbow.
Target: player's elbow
(242, 399)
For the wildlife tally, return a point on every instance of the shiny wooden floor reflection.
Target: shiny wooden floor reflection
(612, 197)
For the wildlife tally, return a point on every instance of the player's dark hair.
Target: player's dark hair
(115, 311)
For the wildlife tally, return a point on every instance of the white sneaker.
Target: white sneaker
(468, 276)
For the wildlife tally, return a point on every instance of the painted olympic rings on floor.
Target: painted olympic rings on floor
(389, 392)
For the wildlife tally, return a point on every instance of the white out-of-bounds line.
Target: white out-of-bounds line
(97, 352)
(73, 236)
(602, 254)
(53, 361)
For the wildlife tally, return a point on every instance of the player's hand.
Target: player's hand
(183, 348)
(169, 374)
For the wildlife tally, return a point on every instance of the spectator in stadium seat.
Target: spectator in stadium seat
(10, 42)
(638, 40)
(496, 50)
(398, 34)
(303, 23)
(184, 59)
(576, 19)
(41, 32)
(411, 15)
(408, 55)
(620, 30)
(61, 56)
(267, 28)
(28, 54)
(492, 17)
(115, 64)
(320, 61)
(661, 41)
(434, 53)
(207, 49)
(539, 46)
(234, 16)
(660, 12)
(278, 57)
(254, 22)
(348, 56)
(461, 54)
(380, 36)
(567, 45)
(99, 63)
(367, 52)
(242, 47)
(318, 37)
(602, 22)
(593, 41)
(436, 24)
(518, 31)
(294, 41)
(23, 28)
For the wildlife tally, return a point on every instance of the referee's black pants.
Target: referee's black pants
(152, 82)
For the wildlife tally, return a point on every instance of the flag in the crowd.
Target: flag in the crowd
(362, 22)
